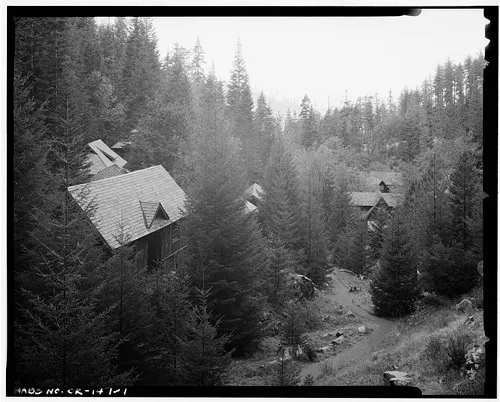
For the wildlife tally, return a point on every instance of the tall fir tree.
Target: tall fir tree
(394, 287)
(224, 240)
(240, 112)
(203, 354)
(463, 189)
(61, 337)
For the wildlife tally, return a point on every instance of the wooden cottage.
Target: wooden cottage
(143, 208)
(103, 162)
(386, 181)
(369, 202)
(254, 193)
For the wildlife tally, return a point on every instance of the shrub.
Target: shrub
(456, 349)
(308, 381)
(326, 368)
(436, 354)
(433, 300)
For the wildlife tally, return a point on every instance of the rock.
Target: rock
(326, 335)
(339, 333)
(480, 268)
(464, 305)
(397, 378)
(339, 340)
(292, 352)
(362, 329)
(350, 313)
(324, 349)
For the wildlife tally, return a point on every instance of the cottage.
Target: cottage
(254, 194)
(364, 201)
(369, 202)
(143, 208)
(103, 162)
(386, 181)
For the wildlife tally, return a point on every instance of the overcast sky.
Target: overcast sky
(288, 57)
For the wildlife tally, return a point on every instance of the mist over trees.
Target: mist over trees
(75, 300)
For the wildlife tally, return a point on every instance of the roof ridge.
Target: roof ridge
(125, 174)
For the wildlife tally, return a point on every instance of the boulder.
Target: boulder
(291, 352)
(397, 378)
(350, 313)
(464, 305)
(338, 340)
(362, 329)
(339, 333)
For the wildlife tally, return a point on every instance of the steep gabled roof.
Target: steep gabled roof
(102, 157)
(364, 199)
(124, 205)
(255, 190)
(249, 207)
(392, 199)
(153, 212)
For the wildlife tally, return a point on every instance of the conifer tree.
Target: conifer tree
(204, 360)
(240, 112)
(280, 208)
(264, 131)
(394, 287)
(376, 236)
(448, 271)
(463, 191)
(62, 340)
(141, 70)
(222, 237)
(170, 303)
(286, 373)
(358, 257)
(281, 265)
(124, 298)
(310, 133)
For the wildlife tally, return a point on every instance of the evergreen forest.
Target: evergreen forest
(84, 315)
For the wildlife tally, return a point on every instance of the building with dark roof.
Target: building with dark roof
(142, 208)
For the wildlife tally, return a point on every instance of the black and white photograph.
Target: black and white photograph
(203, 204)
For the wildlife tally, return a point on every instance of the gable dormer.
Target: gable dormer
(153, 212)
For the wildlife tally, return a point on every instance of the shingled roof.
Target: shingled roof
(106, 173)
(364, 199)
(392, 199)
(254, 190)
(132, 205)
(101, 157)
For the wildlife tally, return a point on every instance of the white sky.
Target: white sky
(287, 57)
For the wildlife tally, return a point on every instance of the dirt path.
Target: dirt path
(340, 294)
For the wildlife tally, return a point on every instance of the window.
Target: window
(175, 232)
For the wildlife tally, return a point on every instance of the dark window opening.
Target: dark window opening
(154, 250)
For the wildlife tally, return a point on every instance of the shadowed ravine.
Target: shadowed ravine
(360, 350)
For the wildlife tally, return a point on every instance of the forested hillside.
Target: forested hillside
(84, 314)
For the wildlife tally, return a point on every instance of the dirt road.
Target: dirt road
(361, 350)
